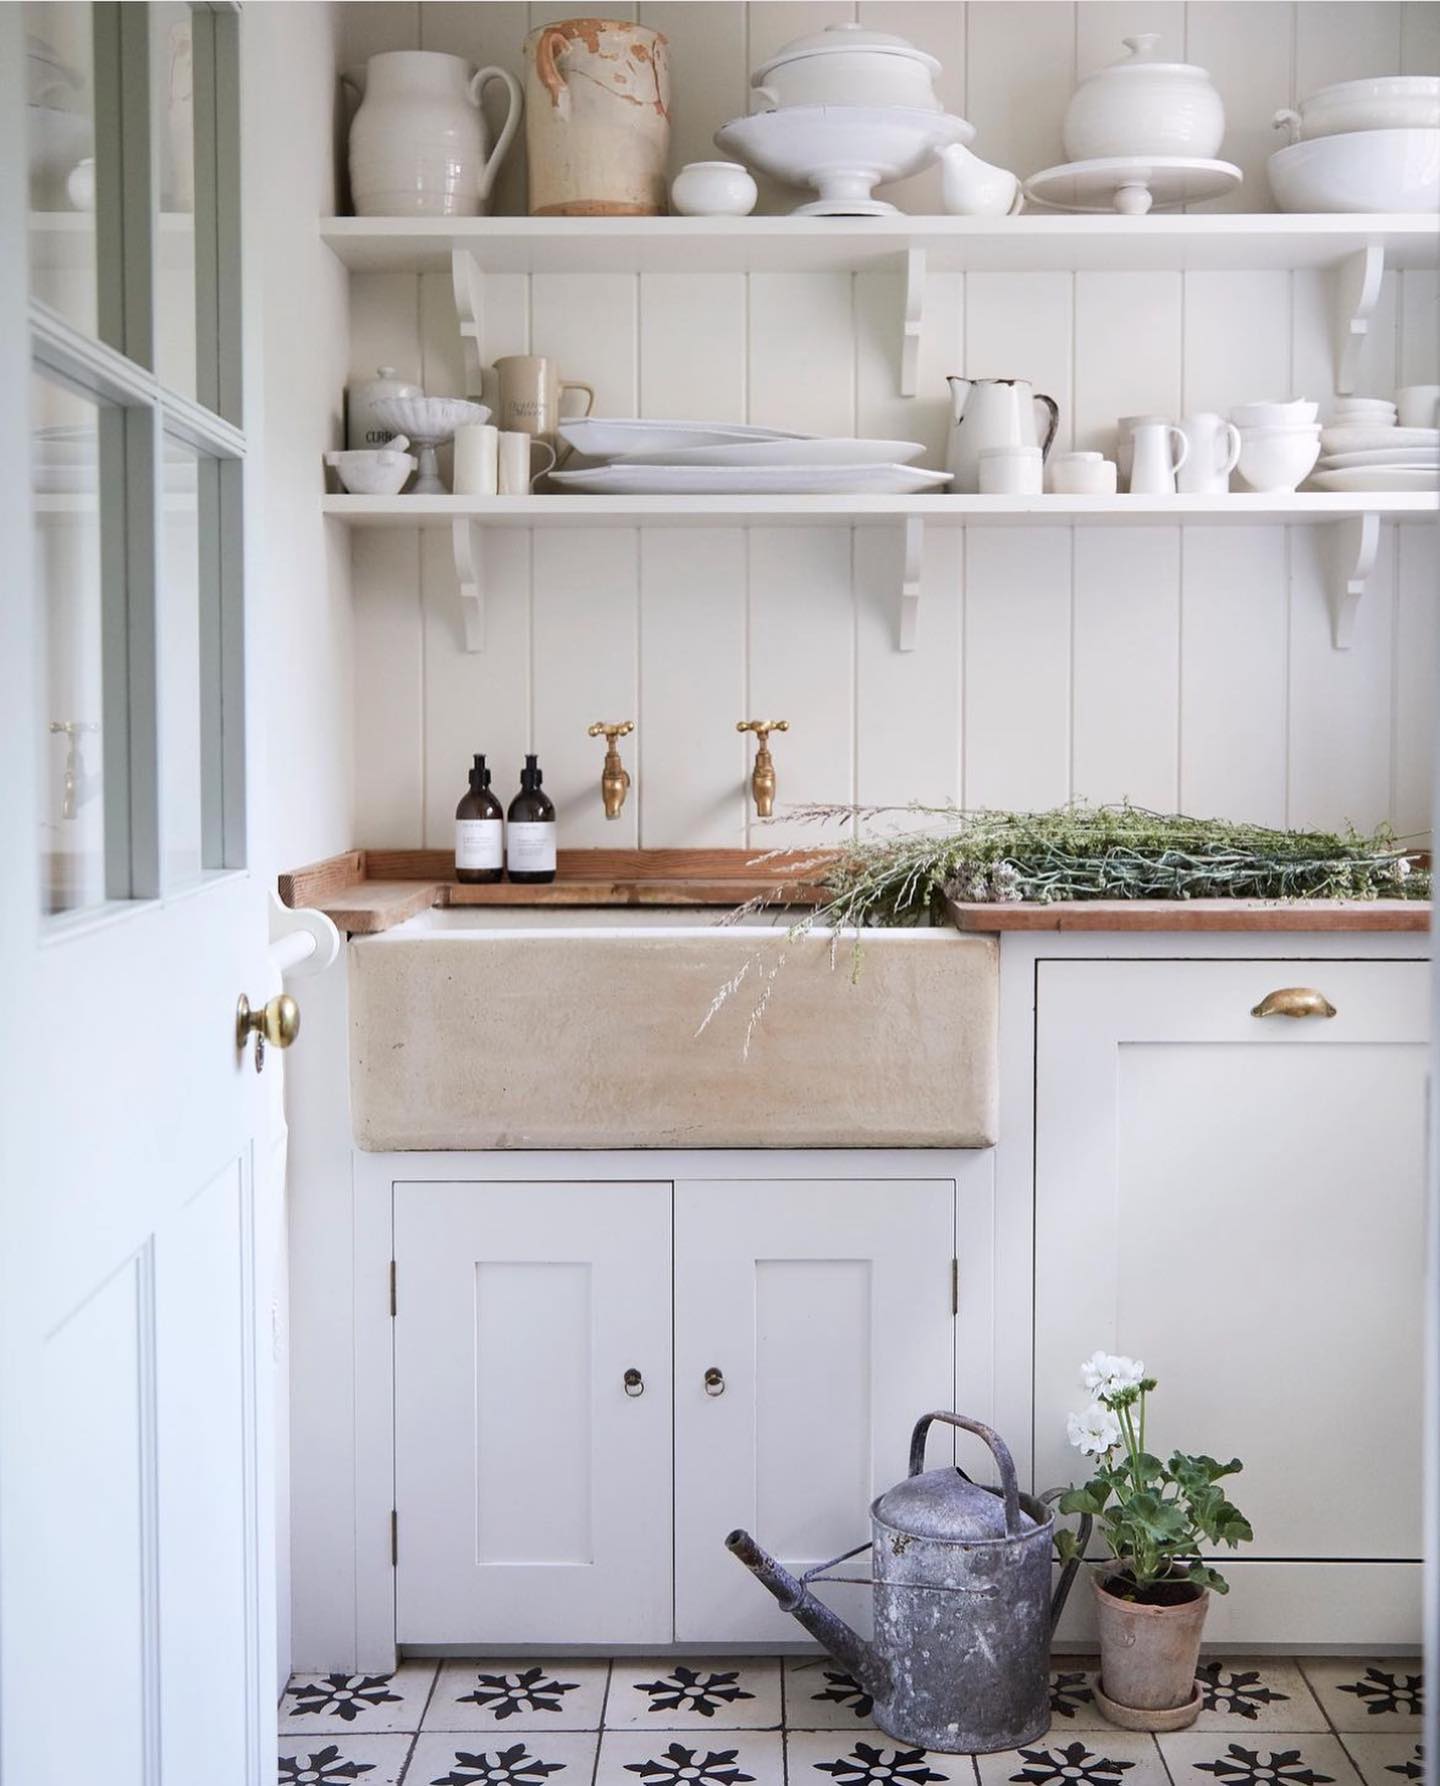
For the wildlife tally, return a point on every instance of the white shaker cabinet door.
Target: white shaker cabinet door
(813, 1328)
(532, 1479)
(1239, 1200)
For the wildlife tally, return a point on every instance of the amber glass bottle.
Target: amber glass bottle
(530, 829)
(479, 844)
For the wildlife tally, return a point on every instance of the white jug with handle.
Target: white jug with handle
(418, 142)
(995, 412)
(970, 187)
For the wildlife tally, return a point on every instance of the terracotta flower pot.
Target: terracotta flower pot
(1148, 1654)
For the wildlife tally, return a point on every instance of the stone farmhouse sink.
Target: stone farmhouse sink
(480, 1028)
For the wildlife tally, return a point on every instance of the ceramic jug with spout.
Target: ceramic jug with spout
(418, 142)
(995, 412)
(971, 187)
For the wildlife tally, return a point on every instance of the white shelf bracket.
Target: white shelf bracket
(914, 321)
(470, 574)
(1352, 545)
(1357, 292)
(910, 581)
(469, 302)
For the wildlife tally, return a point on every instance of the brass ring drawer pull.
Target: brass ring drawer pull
(634, 1383)
(1294, 1001)
(714, 1381)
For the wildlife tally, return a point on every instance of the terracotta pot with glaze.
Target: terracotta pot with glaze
(597, 119)
(1148, 1658)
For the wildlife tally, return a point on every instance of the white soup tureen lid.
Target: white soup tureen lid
(847, 37)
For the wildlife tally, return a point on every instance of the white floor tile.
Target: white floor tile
(819, 1695)
(503, 1758)
(316, 1703)
(328, 1760)
(1266, 1758)
(725, 1693)
(1072, 1696)
(866, 1758)
(1244, 1694)
(1077, 1758)
(1388, 1759)
(690, 1758)
(517, 1695)
(1362, 1695)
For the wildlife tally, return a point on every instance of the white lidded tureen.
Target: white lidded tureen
(1383, 102)
(847, 65)
(1141, 106)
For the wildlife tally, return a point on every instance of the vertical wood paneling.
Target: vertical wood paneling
(1017, 667)
(1020, 73)
(1021, 325)
(444, 360)
(690, 786)
(1339, 42)
(802, 352)
(692, 346)
(1314, 336)
(1246, 48)
(1127, 352)
(389, 689)
(1420, 37)
(1417, 676)
(802, 668)
(375, 27)
(586, 619)
(1233, 651)
(587, 323)
(709, 73)
(1420, 327)
(1126, 665)
(1227, 361)
(1101, 26)
(880, 411)
(385, 325)
(940, 30)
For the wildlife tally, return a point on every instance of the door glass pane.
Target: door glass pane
(65, 459)
(182, 701)
(172, 128)
(60, 124)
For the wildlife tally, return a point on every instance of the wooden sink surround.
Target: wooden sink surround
(368, 891)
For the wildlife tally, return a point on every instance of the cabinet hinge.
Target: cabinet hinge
(954, 1286)
(394, 1539)
(392, 1287)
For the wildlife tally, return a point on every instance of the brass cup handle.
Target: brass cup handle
(634, 1383)
(1294, 1001)
(714, 1381)
(276, 1022)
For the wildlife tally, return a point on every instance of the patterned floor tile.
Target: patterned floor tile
(517, 1695)
(327, 1760)
(1388, 1759)
(1264, 1758)
(503, 1758)
(1077, 1758)
(726, 1693)
(819, 1695)
(1072, 1696)
(690, 1758)
(1243, 1694)
(856, 1758)
(1364, 1695)
(316, 1703)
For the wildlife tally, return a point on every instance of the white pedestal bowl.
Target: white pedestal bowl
(843, 151)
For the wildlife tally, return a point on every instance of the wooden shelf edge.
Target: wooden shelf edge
(1256, 915)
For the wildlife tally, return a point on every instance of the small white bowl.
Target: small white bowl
(1082, 474)
(713, 189)
(1273, 460)
(1274, 415)
(379, 471)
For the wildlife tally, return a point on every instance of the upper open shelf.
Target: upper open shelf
(1215, 241)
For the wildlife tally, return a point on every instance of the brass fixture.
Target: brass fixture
(79, 786)
(714, 1381)
(276, 1022)
(634, 1383)
(1294, 1001)
(614, 777)
(762, 781)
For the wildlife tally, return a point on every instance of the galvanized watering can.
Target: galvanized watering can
(963, 1611)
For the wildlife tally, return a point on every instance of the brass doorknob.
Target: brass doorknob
(276, 1022)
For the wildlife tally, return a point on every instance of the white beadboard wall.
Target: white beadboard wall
(1180, 667)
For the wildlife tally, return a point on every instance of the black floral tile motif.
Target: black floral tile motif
(1380, 1692)
(507, 1767)
(845, 1690)
(866, 1765)
(1239, 1691)
(685, 1690)
(1074, 1762)
(507, 1694)
(1409, 1770)
(1068, 1692)
(344, 1695)
(321, 1768)
(679, 1766)
(1283, 1767)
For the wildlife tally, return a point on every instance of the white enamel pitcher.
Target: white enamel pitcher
(994, 412)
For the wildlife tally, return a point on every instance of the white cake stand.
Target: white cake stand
(843, 151)
(1131, 184)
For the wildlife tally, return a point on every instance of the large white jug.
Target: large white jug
(994, 412)
(417, 143)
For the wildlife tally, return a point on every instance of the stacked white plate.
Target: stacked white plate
(1362, 448)
(642, 458)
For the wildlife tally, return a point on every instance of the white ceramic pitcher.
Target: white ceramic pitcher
(994, 412)
(418, 142)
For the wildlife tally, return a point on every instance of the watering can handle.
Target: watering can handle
(998, 1448)
(1067, 1574)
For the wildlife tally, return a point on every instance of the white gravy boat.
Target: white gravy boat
(971, 187)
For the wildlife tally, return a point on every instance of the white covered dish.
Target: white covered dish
(1383, 102)
(1141, 106)
(847, 64)
(1361, 170)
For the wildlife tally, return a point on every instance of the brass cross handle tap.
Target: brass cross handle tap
(614, 777)
(762, 781)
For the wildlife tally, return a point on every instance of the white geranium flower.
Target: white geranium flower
(1105, 1373)
(1094, 1432)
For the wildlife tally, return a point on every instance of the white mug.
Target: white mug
(1159, 450)
(1418, 405)
(1011, 471)
(1213, 448)
(477, 460)
(514, 475)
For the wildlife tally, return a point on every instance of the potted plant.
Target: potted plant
(1152, 1595)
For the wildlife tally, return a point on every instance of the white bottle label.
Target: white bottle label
(530, 848)
(478, 843)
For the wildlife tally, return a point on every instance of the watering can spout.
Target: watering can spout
(823, 1625)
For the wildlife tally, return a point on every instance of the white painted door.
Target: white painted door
(813, 1326)
(136, 1637)
(1238, 1200)
(532, 1413)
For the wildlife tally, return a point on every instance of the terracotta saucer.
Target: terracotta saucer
(1127, 1717)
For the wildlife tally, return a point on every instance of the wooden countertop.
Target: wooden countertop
(369, 891)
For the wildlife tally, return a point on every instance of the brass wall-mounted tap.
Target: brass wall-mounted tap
(614, 777)
(762, 781)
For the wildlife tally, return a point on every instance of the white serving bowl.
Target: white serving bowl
(1273, 460)
(374, 471)
(1274, 415)
(1383, 102)
(1363, 170)
(843, 151)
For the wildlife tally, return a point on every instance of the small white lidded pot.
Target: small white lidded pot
(1082, 474)
(713, 189)
(1012, 471)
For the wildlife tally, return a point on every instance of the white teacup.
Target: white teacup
(1418, 405)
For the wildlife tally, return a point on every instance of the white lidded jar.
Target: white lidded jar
(1143, 106)
(364, 430)
(713, 189)
(847, 64)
